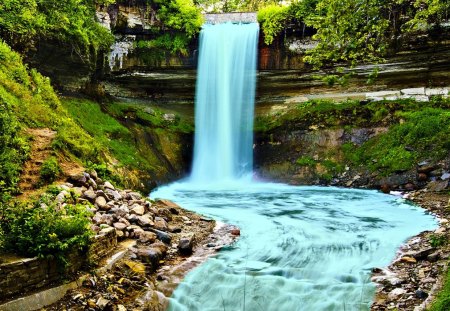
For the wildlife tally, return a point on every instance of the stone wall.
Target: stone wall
(23, 275)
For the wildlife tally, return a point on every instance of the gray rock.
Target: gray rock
(121, 211)
(92, 183)
(437, 185)
(396, 293)
(145, 220)
(120, 226)
(186, 244)
(114, 194)
(134, 196)
(78, 179)
(107, 231)
(108, 185)
(100, 202)
(89, 195)
(445, 176)
(61, 197)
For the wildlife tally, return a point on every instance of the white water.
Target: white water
(301, 248)
(225, 102)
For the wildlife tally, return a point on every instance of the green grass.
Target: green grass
(107, 131)
(421, 135)
(442, 300)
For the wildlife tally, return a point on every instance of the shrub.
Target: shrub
(272, 19)
(306, 161)
(46, 232)
(50, 170)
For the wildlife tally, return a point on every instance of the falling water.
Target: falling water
(225, 102)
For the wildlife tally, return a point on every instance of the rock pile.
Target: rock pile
(131, 215)
(412, 279)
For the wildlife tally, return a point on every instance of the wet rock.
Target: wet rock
(420, 254)
(235, 232)
(421, 294)
(152, 254)
(108, 185)
(422, 177)
(434, 256)
(100, 202)
(186, 244)
(426, 168)
(396, 293)
(163, 236)
(137, 210)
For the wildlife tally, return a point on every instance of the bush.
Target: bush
(50, 170)
(46, 232)
(272, 19)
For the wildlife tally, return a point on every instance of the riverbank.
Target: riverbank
(414, 278)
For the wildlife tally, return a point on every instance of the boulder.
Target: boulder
(396, 293)
(120, 226)
(137, 209)
(186, 244)
(100, 202)
(145, 220)
(113, 194)
(147, 237)
(89, 195)
(108, 185)
(160, 224)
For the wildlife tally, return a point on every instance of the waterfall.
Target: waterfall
(224, 103)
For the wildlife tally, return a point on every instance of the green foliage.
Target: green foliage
(306, 161)
(50, 170)
(46, 232)
(13, 149)
(422, 134)
(442, 300)
(272, 19)
(174, 43)
(353, 31)
(437, 240)
(71, 21)
(180, 15)
(106, 130)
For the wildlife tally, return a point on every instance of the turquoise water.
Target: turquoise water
(301, 248)
(224, 102)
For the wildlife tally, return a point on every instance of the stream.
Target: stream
(301, 248)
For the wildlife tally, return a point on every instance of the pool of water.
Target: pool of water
(301, 248)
